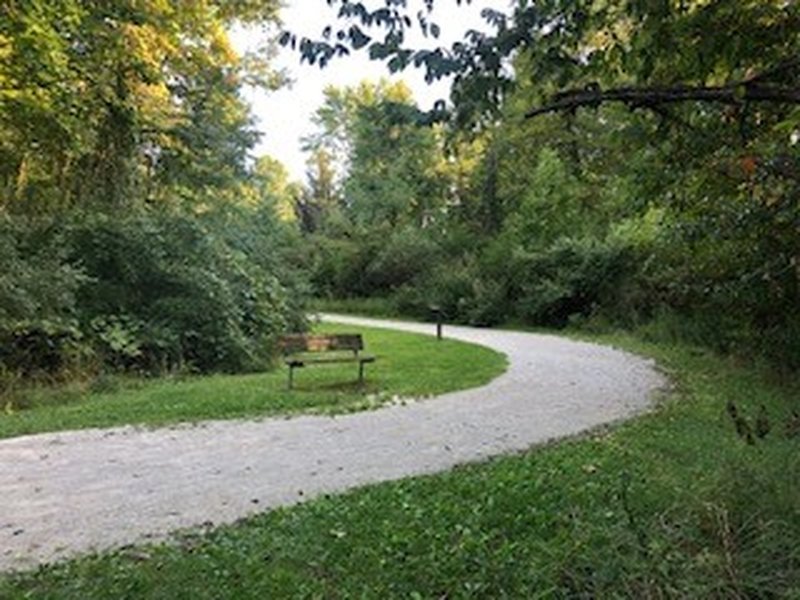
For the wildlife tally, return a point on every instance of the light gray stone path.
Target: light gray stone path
(67, 493)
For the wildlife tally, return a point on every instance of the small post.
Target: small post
(437, 314)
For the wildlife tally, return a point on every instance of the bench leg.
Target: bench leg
(291, 376)
(360, 373)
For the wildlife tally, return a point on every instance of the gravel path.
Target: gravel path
(73, 492)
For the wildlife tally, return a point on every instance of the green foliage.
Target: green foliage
(550, 207)
(135, 234)
(38, 285)
(118, 103)
(621, 213)
(152, 293)
(449, 286)
(571, 277)
(173, 292)
(372, 306)
(407, 254)
(372, 162)
(118, 338)
(339, 265)
(392, 177)
(577, 45)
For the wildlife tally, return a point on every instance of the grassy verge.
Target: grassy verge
(408, 365)
(672, 504)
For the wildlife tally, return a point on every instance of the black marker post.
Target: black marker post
(437, 315)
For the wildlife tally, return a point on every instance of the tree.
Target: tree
(587, 52)
(320, 198)
(678, 150)
(114, 103)
(270, 179)
(136, 233)
(387, 162)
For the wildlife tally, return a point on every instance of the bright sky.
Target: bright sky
(284, 117)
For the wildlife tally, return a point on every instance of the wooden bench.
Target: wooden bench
(301, 350)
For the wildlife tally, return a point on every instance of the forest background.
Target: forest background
(629, 164)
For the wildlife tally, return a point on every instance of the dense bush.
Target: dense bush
(151, 292)
(572, 277)
(719, 272)
(372, 262)
(407, 254)
(38, 318)
(37, 283)
(339, 266)
(449, 286)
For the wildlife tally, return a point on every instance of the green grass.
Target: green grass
(672, 504)
(408, 365)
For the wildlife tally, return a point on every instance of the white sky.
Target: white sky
(284, 116)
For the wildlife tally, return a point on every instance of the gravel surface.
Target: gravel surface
(74, 492)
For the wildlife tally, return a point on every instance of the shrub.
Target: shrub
(148, 292)
(170, 291)
(38, 334)
(406, 255)
(572, 276)
(451, 287)
(41, 350)
(339, 266)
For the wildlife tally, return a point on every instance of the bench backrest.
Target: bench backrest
(293, 344)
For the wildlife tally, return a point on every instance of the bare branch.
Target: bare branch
(735, 94)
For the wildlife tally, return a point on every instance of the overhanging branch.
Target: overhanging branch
(735, 94)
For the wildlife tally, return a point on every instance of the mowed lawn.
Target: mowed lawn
(407, 366)
(672, 504)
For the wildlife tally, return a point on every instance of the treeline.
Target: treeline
(681, 220)
(134, 232)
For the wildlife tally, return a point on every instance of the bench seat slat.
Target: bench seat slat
(305, 360)
(302, 350)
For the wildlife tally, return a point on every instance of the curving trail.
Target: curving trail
(74, 492)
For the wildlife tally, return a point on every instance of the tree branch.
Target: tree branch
(737, 93)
